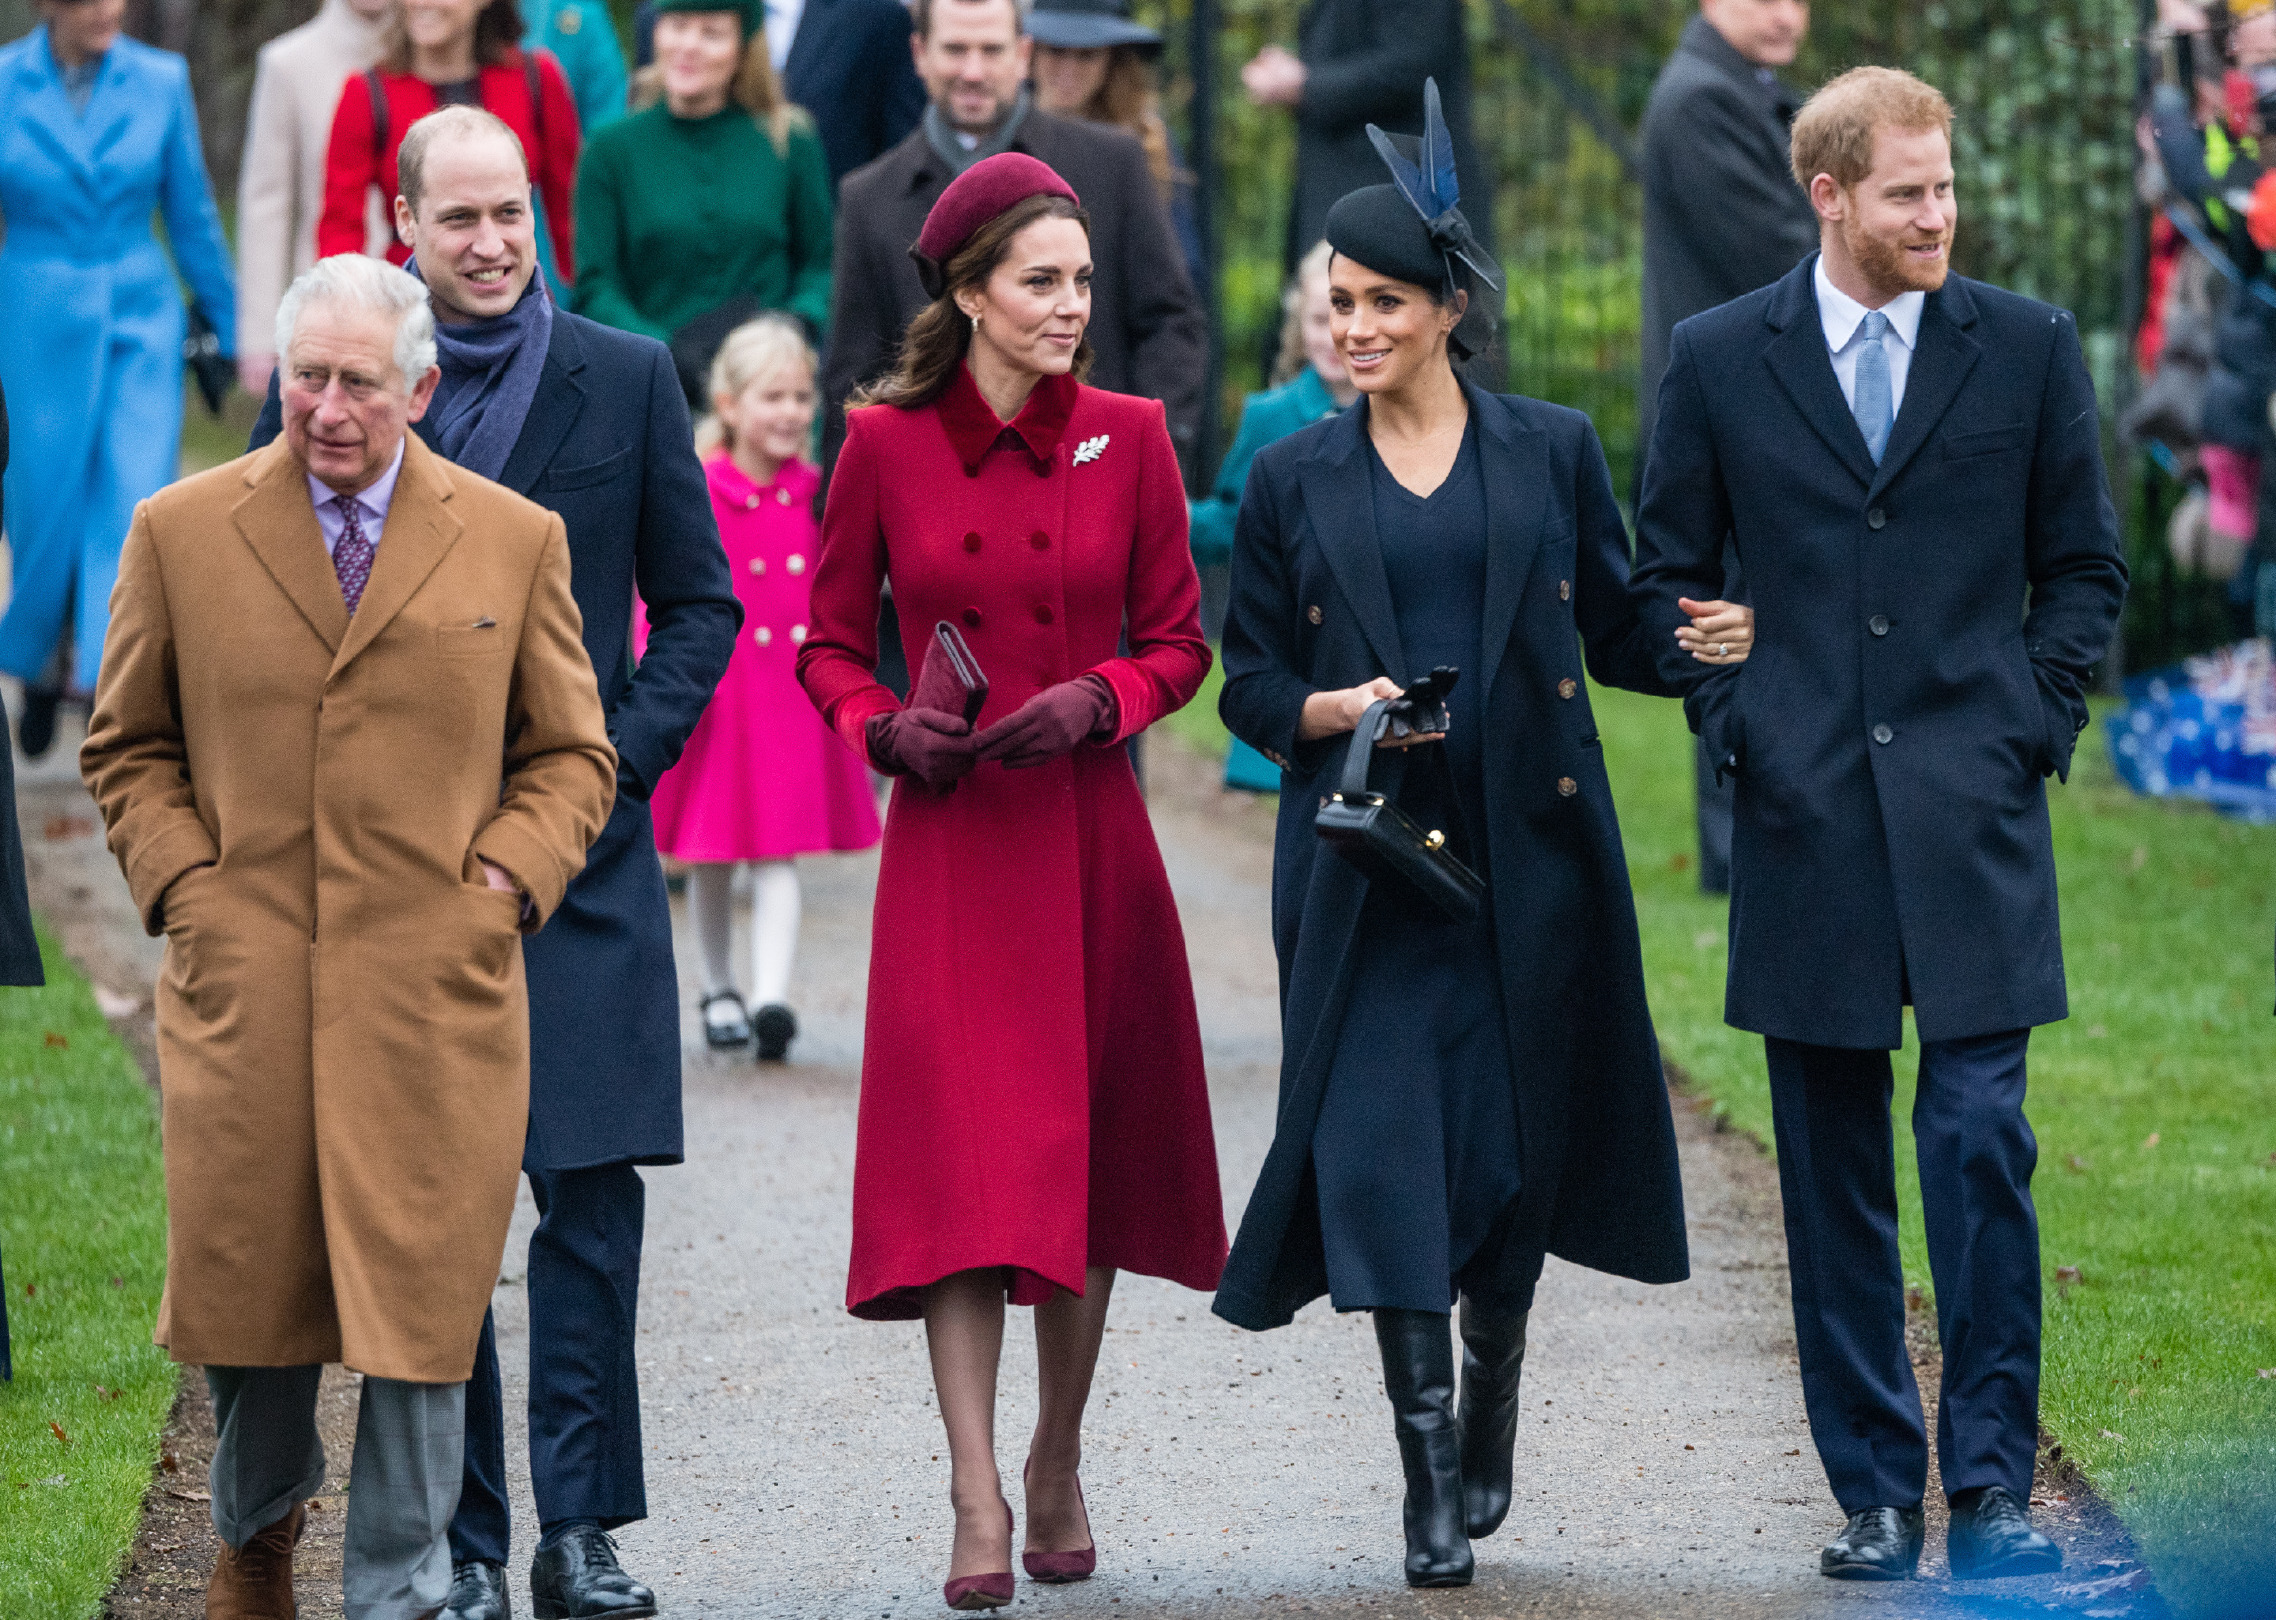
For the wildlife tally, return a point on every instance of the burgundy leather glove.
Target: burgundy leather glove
(935, 748)
(1050, 723)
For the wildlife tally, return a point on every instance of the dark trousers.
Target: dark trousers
(1837, 1173)
(584, 1391)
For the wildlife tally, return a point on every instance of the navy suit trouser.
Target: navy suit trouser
(7, 1367)
(1837, 1173)
(584, 1390)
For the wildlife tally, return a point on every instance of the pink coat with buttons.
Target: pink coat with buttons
(1032, 1091)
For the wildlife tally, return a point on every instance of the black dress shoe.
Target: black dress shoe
(1418, 1375)
(1991, 1535)
(726, 1024)
(575, 1577)
(1879, 1544)
(1493, 1354)
(35, 727)
(778, 1027)
(478, 1592)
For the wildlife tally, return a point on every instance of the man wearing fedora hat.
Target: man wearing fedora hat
(1147, 328)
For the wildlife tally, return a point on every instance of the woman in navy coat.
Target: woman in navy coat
(1457, 1099)
(97, 135)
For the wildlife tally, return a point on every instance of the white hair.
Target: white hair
(372, 284)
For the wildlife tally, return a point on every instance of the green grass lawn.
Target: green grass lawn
(2156, 1122)
(83, 1240)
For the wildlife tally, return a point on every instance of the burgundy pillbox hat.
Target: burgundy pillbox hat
(972, 199)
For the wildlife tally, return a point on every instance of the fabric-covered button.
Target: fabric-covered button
(758, 565)
(972, 540)
(1042, 613)
(798, 632)
(796, 564)
(1039, 540)
(1567, 687)
(1876, 518)
(1882, 733)
(750, 503)
(1313, 613)
(1567, 786)
(762, 635)
(1564, 590)
(1878, 624)
(782, 497)
(972, 618)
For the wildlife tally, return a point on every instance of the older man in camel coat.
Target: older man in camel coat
(349, 749)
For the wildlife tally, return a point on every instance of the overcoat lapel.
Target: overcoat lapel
(1943, 356)
(1515, 465)
(278, 520)
(1340, 504)
(420, 531)
(1797, 358)
(560, 397)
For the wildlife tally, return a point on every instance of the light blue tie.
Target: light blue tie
(1871, 404)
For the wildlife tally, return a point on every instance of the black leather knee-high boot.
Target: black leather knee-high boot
(1418, 1375)
(1493, 1354)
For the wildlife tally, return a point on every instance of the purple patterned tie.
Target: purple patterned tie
(351, 558)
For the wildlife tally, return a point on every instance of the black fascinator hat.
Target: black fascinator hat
(1413, 228)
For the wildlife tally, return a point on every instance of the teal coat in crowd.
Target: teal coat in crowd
(1265, 418)
(582, 37)
(94, 317)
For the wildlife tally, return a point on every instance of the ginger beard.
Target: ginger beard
(1897, 265)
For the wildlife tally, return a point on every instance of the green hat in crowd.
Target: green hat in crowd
(753, 12)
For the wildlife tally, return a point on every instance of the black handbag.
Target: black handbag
(209, 367)
(1380, 839)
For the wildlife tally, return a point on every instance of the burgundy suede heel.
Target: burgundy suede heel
(1060, 1568)
(990, 1591)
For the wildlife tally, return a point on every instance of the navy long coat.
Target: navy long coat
(1924, 633)
(608, 446)
(1311, 611)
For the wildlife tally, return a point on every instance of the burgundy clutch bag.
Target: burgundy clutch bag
(950, 680)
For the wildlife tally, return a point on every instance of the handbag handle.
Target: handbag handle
(1360, 757)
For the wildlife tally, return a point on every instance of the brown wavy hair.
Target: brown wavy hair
(1127, 99)
(941, 335)
(497, 37)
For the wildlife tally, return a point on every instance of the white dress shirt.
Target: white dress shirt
(1843, 315)
(782, 28)
(371, 504)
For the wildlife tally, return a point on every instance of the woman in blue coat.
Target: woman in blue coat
(97, 133)
(1458, 1098)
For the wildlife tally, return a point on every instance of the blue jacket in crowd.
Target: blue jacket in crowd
(582, 37)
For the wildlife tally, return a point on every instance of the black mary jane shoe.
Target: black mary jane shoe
(478, 1592)
(1493, 1354)
(778, 1027)
(1991, 1535)
(729, 1028)
(1418, 1375)
(1877, 1544)
(576, 1577)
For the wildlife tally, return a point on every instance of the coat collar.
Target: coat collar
(1704, 40)
(1340, 498)
(81, 139)
(554, 409)
(974, 428)
(1943, 355)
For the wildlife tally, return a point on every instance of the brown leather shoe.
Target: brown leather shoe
(254, 1582)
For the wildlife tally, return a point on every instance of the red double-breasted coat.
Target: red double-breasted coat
(1032, 1093)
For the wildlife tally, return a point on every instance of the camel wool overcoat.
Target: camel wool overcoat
(301, 801)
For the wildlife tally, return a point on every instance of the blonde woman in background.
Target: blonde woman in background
(712, 203)
(763, 779)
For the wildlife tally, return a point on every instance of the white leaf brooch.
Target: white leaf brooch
(1090, 450)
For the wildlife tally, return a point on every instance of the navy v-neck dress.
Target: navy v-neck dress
(1416, 1164)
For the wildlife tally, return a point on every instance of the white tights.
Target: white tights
(775, 908)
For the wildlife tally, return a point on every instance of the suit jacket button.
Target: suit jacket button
(1564, 590)
(972, 540)
(1882, 733)
(1567, 687)
(971, 618)
(1313, 613)
(1878, 624)
(1039, 540)
(1567, 786)
(1876, 518)
(1042, 613)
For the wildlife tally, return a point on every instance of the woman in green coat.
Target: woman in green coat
(712, 203)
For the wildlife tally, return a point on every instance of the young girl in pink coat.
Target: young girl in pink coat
(763, 779)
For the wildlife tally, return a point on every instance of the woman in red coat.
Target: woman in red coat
(440, 53)
(1033, 1112)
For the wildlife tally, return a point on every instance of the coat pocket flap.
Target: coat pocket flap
(594, 472)
(1984, 442)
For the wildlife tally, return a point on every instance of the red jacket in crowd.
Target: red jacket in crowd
(363, 155)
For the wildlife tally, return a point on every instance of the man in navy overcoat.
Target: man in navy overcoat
(1909, 464)
(590, 423)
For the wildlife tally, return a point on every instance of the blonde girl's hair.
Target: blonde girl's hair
(1292, 360)
(754, 88)
(758, 348)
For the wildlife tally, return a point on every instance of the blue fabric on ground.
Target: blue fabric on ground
(2202, 729)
